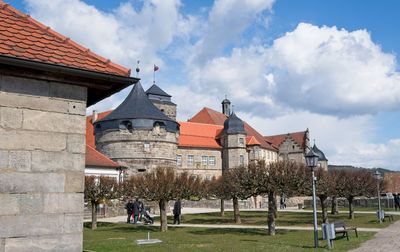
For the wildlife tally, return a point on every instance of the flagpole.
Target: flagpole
(154, 74)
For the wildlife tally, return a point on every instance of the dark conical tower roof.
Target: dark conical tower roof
(321, 155)
(137, 111)
(234, 125)
(156, 90)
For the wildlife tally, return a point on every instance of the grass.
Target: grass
(284, 219)
(121, 237)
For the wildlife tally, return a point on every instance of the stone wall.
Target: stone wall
(234, 148)
(168, 108)
(140, 150)
(42, 148)
(291, 150)
(206, 171)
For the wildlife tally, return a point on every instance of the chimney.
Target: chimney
(94, 116)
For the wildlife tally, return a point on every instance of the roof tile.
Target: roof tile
(37, 40)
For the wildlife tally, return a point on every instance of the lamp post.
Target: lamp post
(377, 175)
(312, 161)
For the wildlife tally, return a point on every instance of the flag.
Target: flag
(155, 68)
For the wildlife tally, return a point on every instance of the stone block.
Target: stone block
(3, 159)
(50, 243)
(63, 203)
(74, 181)
(10, 118)
(77, 108)
(76, 143)
(53, 122)
(31, 225)
(20, 85)
(20, 160)
(2, 245)
(32, 140)
(73, 223)
(30, 203)
(14, 182)
(68, 92)
(33, 102)
(57, 161)
(9, 204)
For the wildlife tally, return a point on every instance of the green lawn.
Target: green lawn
(121, 237)
(284, 219)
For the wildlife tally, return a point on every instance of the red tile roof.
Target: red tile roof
(25, 38)
(95, 158)
(210, 116)
(298, 137)
(251, 140)
(199, 135)
(89, 128)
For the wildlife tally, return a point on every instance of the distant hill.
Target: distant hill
(350, 167)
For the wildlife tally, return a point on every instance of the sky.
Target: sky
(329, 66)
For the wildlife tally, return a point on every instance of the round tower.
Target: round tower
(233, 140)
(322, 160)
(137, 134)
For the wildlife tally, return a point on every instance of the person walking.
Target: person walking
(177, 212)
(396, 201)
(141, 210)
(135, 211)
(129, 210)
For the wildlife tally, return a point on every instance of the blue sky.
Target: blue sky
(330, 66)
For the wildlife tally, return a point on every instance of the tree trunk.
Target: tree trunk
(222, 208)
(334, 209)
(94, 215)
(163, 215)
(351, 208)
(275, 207)
(324, 209)
(271, 214)
(236, 212)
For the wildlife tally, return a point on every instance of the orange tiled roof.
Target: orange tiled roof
(95, 158)
(199, 135)
(25, 38)
(298, 137)
(90, 130)
(210, 116)
(251, 140)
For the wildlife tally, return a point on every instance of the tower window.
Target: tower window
(211, 160)
(146, 147)
(241, 141)
(241, 160)
(190, 160)
(204, 160)
(178, 160)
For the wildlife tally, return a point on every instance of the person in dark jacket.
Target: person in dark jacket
(135, 211)
(396, 201)
(141, 210)
(129, 210)
(177, 212)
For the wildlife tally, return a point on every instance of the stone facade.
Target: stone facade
(234, 153)
(169, 109)
(291, 150)
(200, 162)
(42, 148)
(140, 150)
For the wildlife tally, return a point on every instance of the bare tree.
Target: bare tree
(164, 184)
(353, 184)
(97, 190)
(324, 189)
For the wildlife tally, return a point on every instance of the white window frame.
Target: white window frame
(178, 160)
(190, 160)
(241, 160)
(204, 160)
(211, 160)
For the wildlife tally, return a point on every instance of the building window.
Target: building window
(190, 160)
(241, 141)
(146, 147)
(241, 160)
(204, 160)
(269, 155)
(211, 160)
(178, 160)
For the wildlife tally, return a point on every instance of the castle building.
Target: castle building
(142, 133)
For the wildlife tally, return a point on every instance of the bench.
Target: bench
(389, 217)
(341, 228)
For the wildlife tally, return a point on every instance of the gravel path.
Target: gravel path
(387, 240)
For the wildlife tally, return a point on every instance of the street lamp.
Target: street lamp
(377, 175)
(312, 161)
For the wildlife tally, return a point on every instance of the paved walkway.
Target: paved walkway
(385, 240)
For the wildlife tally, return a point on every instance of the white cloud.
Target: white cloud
(331, 71)
(226, 22)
